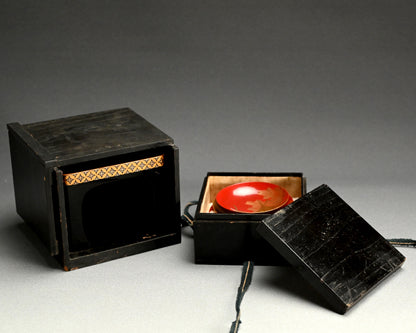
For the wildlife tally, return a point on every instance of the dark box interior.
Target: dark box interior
(97, 187)
(232, 238)
(105, 213)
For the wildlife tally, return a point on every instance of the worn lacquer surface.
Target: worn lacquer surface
(332, 246)
(96, 133)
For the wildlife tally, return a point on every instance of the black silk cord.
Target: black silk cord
(244, 284)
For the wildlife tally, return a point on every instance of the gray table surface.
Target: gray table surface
(327, 88)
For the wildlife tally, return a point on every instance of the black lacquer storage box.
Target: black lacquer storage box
(232, 238)
(97, 187)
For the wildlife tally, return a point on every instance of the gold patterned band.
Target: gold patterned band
(113, 170)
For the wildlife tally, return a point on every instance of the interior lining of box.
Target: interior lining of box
(216, 183)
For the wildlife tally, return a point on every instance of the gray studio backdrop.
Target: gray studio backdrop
(327, 88)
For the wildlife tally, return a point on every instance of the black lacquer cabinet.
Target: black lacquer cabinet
(98, 186)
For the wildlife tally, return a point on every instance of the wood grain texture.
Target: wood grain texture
(333, 247)
(96, 133)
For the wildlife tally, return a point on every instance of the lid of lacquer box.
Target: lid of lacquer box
(92, 136)
(332, 246)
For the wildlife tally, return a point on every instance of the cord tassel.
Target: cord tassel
(245, 283)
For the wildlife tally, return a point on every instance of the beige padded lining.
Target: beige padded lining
(216, 183)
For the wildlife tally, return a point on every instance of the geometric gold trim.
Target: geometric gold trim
(113, 170)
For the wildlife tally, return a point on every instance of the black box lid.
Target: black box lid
(332, 246)
(92, 136)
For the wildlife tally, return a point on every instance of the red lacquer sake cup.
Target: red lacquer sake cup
(251, 198)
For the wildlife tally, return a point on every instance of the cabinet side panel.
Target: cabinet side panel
(177, 184)
(30, 187)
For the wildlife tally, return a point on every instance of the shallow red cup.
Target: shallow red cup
(251, 198)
